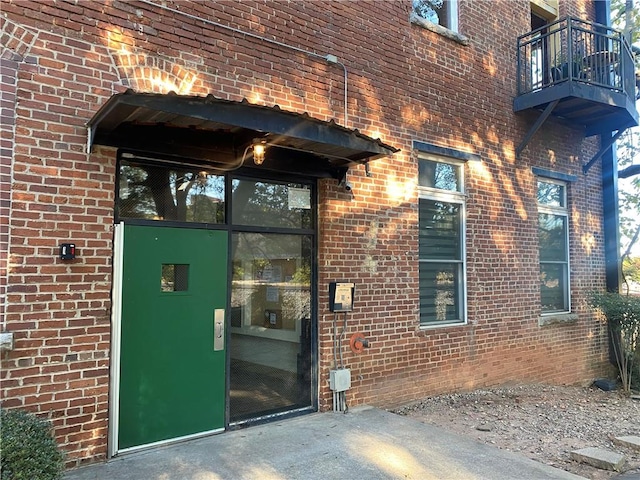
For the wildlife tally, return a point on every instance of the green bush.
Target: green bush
(27, 448)
(623, 317)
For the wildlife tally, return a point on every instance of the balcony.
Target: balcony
(579, 71)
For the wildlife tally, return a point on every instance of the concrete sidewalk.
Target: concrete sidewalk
(367, 443)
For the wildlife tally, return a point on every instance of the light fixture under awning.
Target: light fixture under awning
(216, 131)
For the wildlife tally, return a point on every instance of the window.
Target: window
(150, 190)
(439, 12)
(441, 242)
(175, 278)
(271, 204)
(553, 237)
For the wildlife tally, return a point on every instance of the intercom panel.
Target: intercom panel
(341, 296)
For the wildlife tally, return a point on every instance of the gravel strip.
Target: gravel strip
(542, 422)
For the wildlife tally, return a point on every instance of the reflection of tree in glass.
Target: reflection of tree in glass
(134, 199)
(550, 194)
(445, 216)
(269, 197)
(428, 9)
(296, 304)
(438, 175)
(267, 204)
(302, 274)
(272, 261)
(206, 202)
(446, 177)
(157, 192)
(444, 219)
(440, 230)
(444, 294)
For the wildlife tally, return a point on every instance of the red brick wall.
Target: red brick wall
(15, 40)
(58, 311)
(404, 83)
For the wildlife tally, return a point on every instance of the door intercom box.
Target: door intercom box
(341, 296)
(68, 251)
(273, 318)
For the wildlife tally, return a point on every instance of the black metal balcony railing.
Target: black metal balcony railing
(577, 71)
(572, 50)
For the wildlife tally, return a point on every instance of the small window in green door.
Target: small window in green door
(175, 278)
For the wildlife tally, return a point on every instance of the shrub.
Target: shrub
(27, 448)
(623, 317)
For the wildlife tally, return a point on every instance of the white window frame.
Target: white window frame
(452, 19)
(459, 198)
(564, 212)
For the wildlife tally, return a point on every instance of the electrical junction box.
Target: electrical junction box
(340, 380)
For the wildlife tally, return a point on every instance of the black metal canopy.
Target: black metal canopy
(218, 132)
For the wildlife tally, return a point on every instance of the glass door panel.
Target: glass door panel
(270, 340)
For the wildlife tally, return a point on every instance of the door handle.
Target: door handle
(218, 329)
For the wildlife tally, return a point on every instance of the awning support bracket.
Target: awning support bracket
(536, 126)
(605, 146)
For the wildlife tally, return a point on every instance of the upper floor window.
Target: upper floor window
(553, 238)
(441, 248)
(439, 12)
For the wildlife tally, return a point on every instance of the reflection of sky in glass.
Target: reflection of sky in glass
(427, 9)
(211, 186)
(162, 193)
(200, 183)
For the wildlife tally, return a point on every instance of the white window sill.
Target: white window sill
(557, 318)
(432, 326)
(440, 30)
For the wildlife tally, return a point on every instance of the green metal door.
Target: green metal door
(172, 360)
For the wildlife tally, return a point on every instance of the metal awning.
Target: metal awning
(217, 133)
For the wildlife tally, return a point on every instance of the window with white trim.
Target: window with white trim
(553, 238)
(438, 12)
(441, 241)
